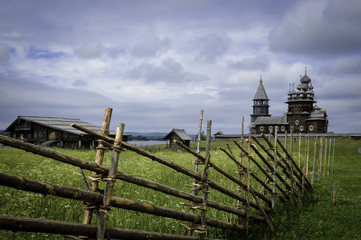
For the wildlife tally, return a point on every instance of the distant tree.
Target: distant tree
(203, 136)
(138, 138)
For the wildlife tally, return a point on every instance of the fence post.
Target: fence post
(248, 181)
(314, 161)
(329, 157)
(299, 149)
(196, 163)
(307, 154)
(199, 133)
(274, 168)
(320, 160)
(205, 183)
(333, 154)
(110, 182)
(290, 161)
(240, 170)
(325, 159)
(88, 213)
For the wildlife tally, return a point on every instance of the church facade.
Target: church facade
(302, 115)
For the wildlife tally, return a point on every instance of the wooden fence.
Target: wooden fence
(282, 178)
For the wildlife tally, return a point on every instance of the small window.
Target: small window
(270, 128)
(283, 128)
(261, 128)
(297, 122)
(301, 128)
(292, 128)
(310, 128)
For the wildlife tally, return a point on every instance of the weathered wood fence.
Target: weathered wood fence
(281, 179)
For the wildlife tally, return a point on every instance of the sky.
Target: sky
(157, 63)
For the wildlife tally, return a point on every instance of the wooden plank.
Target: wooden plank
(24, 184)
(88, 213)
(110, 182)
(65, 228)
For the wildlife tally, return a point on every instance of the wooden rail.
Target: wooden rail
(257, 204)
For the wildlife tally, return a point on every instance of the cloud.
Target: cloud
(348, 65)
(4, 53)
(90, 51)
(36, 53)
(151, 47)
(254, 63)
(168, 71)
(319, 28)
(151, 61)
(79, 83)
(211, 47)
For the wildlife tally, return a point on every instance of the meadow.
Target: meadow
(315, 218)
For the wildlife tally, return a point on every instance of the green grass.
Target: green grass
(317, 218)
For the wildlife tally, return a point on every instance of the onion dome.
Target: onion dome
(299, 87)
(305, 78)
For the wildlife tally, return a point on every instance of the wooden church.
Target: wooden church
(302, 115)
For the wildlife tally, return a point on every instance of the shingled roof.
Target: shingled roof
(275, 120)
(62, 124)
(181, 133)
(261, 92)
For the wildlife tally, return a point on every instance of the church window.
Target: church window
(261, 128)
(297, 122)
(283, 128)
(310, 128)
(301, 128)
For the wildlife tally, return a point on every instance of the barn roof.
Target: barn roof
(62, 124)
(181, 133)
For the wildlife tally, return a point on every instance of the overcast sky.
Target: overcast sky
(158, 63)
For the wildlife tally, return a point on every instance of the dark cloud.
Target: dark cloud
(168, 71)
(211, 47)
(255, 63)
(150, 47)
(319, 28)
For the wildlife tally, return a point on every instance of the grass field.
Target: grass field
(316, 218)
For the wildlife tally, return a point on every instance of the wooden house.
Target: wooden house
(54, 132)
(178, 134)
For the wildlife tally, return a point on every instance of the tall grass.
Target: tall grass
(290, 220)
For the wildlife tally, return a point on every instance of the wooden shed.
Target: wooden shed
(55, 132)
(178, 134)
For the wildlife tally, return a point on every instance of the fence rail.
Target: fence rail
(283, 180)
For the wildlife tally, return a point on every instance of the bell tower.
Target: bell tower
(260, 103)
